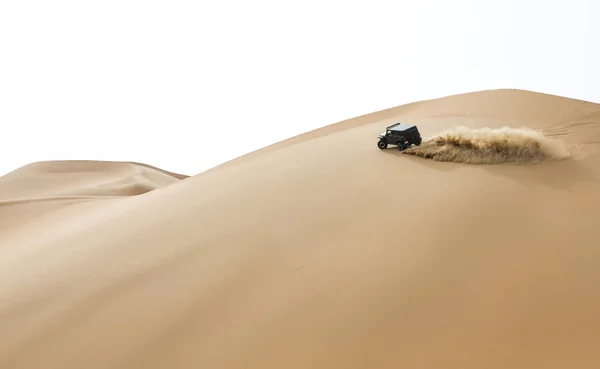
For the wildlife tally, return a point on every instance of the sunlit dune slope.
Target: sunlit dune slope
(574, 121)
(322, 251)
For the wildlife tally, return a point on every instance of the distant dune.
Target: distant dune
(320, 251)
(83, 178)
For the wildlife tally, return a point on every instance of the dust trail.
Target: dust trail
(490, 146)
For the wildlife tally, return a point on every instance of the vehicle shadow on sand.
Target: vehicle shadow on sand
(564, 174)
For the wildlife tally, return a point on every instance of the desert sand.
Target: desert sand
(320, 251)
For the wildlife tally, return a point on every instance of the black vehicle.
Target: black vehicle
(401, 135)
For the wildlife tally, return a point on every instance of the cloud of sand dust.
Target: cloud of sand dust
(490, 146)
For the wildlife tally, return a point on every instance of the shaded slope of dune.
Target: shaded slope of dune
(324, 252)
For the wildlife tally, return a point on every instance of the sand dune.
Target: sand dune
(83, 178)
(320, 251)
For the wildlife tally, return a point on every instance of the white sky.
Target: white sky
(186, 85)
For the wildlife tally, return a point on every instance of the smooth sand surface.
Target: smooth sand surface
(320, 251)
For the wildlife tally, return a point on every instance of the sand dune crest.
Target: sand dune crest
(490, 146)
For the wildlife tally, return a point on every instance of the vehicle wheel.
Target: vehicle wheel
(382, 144)
(400, 146)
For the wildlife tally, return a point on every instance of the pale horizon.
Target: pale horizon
(206, 84)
